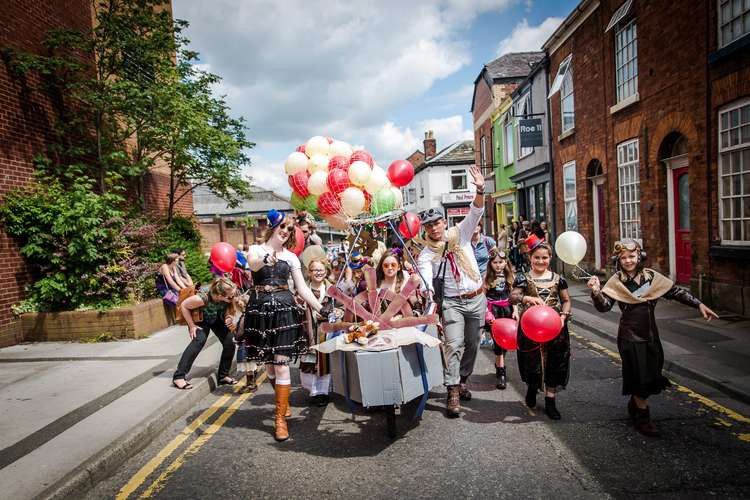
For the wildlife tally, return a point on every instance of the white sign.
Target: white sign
(465, 197)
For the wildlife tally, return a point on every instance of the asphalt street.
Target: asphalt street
(224, 447)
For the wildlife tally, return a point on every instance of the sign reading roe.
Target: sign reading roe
(531, 132)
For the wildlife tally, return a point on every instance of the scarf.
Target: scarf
(455, 255)
(659, 285)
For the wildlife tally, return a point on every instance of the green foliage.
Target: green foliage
(102, 337)
(182, 233)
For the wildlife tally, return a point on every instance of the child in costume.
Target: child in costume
(497, 283)
(543, 365)
(636, 289)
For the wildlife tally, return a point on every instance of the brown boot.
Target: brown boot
(452, 405)
(464, 393)
(643, 423)
(282, 405)
(272, 381)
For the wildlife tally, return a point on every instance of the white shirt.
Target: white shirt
(259, 251)
(428, 266)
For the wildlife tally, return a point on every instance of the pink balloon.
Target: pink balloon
(400, 173)
(336, 221)
(505, 333)
(338, 180)
(329, 203)
(223, 256)
(541, 323)
(410, 225)
(300, 148)
(362, 155)
(299, 241)
(338, 162)
(298, 182)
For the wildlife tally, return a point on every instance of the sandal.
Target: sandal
(187, 385)
(227, 381)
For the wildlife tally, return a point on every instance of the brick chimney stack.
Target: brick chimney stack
(430, 145)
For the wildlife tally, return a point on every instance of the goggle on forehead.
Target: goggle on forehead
(629, 246)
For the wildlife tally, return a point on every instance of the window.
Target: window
(566, 101)
(561, 70)
(508, 134)
(523, 108)
(412, 195)
(626, 61)
(569, 194)
(734, 173)
(421, 189)
(619, 14)
(630, 194)
(483, 152)
(734, 20)
(458, 180)
(532, 203)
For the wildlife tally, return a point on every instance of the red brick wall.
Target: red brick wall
(156, 194)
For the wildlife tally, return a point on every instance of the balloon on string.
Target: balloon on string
(410, 225)
(338, 161)
(382, 202)
(336, 221)
(352, 201)
(299, 241)
(298, 182)
(318, 183)
(298, 201)
(317, 145)
(311, 204)
(300, 148)
(505, 333)
(359, 172)
(312, 252)
(295, 162)
(338, 180)
(318, 163)
(362, 155)
(398, 197)
(223, 256)
(377, 180)
(570, 247)
(400, 173)
(340, 148)
(329, 203)
(541, 323)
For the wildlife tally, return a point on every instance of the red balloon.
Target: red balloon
(298, 182)
(362, 155)
(368, 200)
(338, 180)
(410, 225)
(400, 173)
(505, 333)
(541, 323)
(299, 241)
(338, 162)
(223, 256)
(300, 148)
(329, 203)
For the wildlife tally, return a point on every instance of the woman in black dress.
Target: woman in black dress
(274, 331)
(636, 289)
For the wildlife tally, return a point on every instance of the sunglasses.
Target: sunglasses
(390, 265)
(430, 213)
(500, 254)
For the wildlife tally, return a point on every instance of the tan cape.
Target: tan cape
(454, 245)
(616, 289)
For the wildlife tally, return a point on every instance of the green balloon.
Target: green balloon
(298, 202)
(383, 201)
(311, 204)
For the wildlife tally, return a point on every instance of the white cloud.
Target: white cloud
(526, 38)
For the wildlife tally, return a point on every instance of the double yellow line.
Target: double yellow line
(147, 470)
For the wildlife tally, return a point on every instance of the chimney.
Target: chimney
(430, 145)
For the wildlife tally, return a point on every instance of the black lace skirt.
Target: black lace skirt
(642, 364)
(273, 326)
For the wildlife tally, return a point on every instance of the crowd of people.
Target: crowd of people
(271, 309)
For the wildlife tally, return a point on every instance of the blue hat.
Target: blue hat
(241, 260)
(358, 261)
(275, 218)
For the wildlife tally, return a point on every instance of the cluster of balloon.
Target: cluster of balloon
(505, 333)
(541, 323)
(332, 180)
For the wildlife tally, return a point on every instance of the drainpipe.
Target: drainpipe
(553, 215)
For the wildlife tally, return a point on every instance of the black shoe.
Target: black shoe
(502, 383)
(643, 423)
(632, 408)
(320, 400)
(464, 393)
(550, 409)
(531, 396)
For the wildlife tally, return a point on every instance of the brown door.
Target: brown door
(683, 246)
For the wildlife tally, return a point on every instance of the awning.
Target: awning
(619, 14)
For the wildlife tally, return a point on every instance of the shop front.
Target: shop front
(456, 206)
(533, 193)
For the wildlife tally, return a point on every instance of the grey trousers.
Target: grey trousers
(462, 322)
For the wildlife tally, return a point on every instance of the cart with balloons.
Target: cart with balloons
(394, 359)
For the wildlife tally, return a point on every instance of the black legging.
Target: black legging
(196, 344)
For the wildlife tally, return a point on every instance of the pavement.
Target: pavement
(72, 414)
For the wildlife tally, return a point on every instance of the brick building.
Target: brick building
(650, 112)
(25, 120)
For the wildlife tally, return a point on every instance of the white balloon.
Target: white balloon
(295, 162)
(570, 247)
(399, 197)
(317, 145)
(340, 148)
(377, 181)
(352, 201)
(359, 173)
(312, 252)
(318, 163)
(318, 183)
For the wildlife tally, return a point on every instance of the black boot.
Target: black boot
(500, 374)
(531, 396)
(550, 409)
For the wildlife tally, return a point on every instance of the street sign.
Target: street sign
(530, 132)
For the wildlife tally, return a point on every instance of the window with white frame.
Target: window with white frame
(734, 20)
(523, 108)
(509, 150)
(629, 190)
(483, 151)
(734, 173)
(458, 180)
(421, 189)
(412, 195)
(566, 101)
(626, 61)
(569, 195)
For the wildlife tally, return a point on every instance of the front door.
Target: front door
(683, 246)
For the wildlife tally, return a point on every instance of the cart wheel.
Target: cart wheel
(390, 418)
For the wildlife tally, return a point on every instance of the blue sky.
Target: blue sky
(375, 74)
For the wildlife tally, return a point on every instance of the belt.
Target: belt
(469, 295)
(270, 288)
